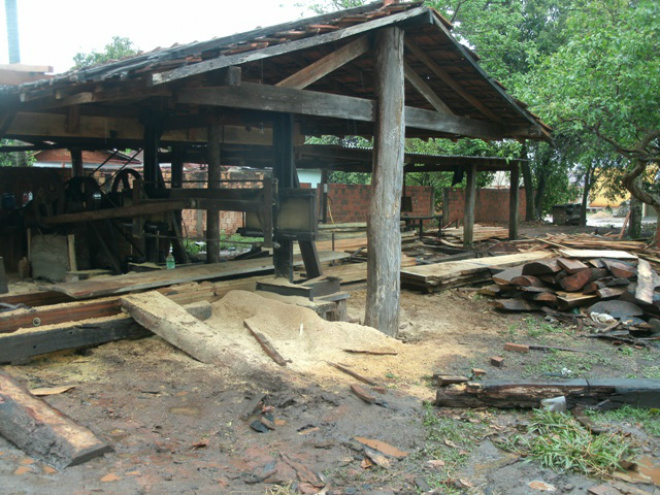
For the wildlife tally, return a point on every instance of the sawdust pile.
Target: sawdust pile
(297, 333)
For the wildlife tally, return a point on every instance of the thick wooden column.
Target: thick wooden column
(76, 162)
(214, 174)
(514, 200)
(283, 171)
(177, 183)
(151, 173)
(470, 200)
(383, 234)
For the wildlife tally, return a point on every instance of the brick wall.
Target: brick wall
(491, 205)
(349, 203)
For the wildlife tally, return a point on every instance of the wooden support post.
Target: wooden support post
(177, 183)
(151, 168)
(514, 200)
(42, 431)
(284, 173)
(214, 174)
(76, 162)
(324, 195)
(470, 200)
(384, 237)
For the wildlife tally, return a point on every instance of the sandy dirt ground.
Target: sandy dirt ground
(181, 427)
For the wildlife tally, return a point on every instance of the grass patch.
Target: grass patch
(647, 419)
(553, 361)
(537, 328)
(559, 442)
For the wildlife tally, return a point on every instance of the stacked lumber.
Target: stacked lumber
(577, 278)
(481, 233)
(590, 241)
(454, 274)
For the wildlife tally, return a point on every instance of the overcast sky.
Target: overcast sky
(53, 31)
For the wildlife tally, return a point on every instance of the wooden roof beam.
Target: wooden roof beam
(302, 102)
(326, 65)
(449, 80)
(425, 90)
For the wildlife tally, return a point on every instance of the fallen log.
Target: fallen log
(42, 431)
(605, 394)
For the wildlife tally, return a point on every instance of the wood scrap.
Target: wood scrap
(645, 282)
(382, 447)
(42, 431)
(371, 352)
(171, 322)
(607, 394)
(265, 344)
(597, 253)
(571, 266)
(354, 374)
(363, 394)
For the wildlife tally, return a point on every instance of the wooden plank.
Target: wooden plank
(425, 90)
(18, 347)
(383, 232)
(326, 65)
(568, 300)
(620, 269)
(597, 253)
(265, 344)
(292, 46)
(171, 322)
(638, 393)
(645, 282)
(517, 305)
(514, 201)
(131, 282)
(576, 281)
(42, 431)
(506, 277)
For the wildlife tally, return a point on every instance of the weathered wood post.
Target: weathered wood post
(77, 169)
(514, 200)
(284, 172)
(384, 237)
(470, 201)
(214, 175)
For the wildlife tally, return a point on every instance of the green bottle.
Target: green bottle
(169, 261)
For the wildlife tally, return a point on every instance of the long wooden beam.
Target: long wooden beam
(422, 13)
(450, 81)
(425, 90)
(263, 97)
(326, 65)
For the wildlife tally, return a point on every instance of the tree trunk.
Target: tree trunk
(588, 177)
(384, 237)
(538, 197)
(635, 225)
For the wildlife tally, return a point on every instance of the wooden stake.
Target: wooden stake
(265, 344)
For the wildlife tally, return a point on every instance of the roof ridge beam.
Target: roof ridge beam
(324, 66)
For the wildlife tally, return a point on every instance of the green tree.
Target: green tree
(604, 81)
(117, 49)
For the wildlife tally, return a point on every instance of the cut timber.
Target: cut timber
(506, 277)
(42, 431)
(452, 274)
(620, 269)
(576, 281)
(352, 373)
(645, 282)
(597, 253)
(543, 267)
(132, 282)
(517, 305)
(174, 324)
(265, 344)
(571, 266)
(20, 346)
(569, 300)
(608, 394)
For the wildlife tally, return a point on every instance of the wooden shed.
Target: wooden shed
(382, 71)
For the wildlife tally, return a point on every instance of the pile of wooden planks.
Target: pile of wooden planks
(589, 241)
(481, 233)
(453, 274)
(576, 278)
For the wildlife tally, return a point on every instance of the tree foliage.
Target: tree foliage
(117, 49)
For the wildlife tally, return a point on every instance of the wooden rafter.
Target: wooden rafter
(326, 65)
(289, 47)
(449, 80)
(425, 90)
